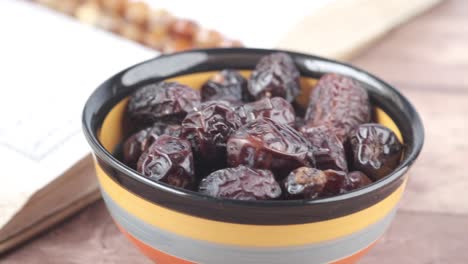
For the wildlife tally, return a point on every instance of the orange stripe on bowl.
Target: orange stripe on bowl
(154, 254)
(355, 257)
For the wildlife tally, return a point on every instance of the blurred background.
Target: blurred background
(52, 49)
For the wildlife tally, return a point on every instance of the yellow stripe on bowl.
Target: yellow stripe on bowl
(242, 234)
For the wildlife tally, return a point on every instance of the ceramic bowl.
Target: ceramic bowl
(172, 225)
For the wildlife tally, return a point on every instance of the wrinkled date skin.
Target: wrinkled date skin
(356, 180)
(277, 109)
(252, 140)
(329, 152)
(227, 85)
(311, 183)
(140, 141)
(160, 128)
(208, 130)
(375, 150)
(265, 144)
(339, 103)
(275, 75)
(137, 144)
(164, 101)
(168, 129)
(241, 183)
(170, 160)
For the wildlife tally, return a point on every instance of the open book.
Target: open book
(50, 64)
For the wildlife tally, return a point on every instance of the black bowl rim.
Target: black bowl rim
(410, 156)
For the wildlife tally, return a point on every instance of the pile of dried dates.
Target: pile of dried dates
(241, 139)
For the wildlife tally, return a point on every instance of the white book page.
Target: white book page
(260, 24)
(49, 65)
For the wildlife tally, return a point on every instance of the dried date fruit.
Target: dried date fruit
(355, 180)
(311, 183)
(329, 152)
(266, 144)
(338, 102)
(227, 85)
(275, 75)
(168, 129)
(187, 140)
(170, 160)
(160, 128)
(137, 144)
(208, 130)
(375, 150)
(336, 183)
(140, 141)
(304, 183)
(164, 101)
(277, 109)
(241, 183)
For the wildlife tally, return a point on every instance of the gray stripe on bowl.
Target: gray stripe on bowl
(205, 252)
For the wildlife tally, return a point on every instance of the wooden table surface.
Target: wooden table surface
(427, 59)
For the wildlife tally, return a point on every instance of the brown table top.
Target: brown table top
(427, 59)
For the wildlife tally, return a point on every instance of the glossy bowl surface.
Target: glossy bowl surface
(178, 226)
